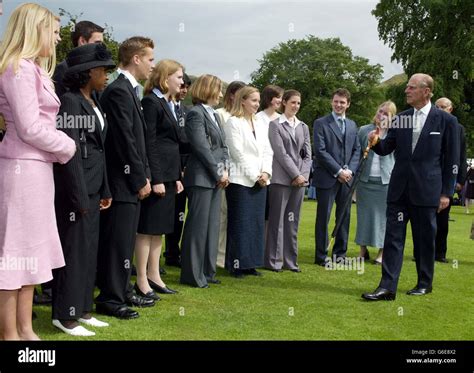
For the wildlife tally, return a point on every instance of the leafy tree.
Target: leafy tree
(65, 45)
(316, 67)
(435, 37)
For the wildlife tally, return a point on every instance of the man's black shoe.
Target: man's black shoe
(138, 301)
(122, 312)
(420, 291)
(379, 294)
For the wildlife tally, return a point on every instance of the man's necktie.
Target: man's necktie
(137, 92)
(416, 130)
(342, 125)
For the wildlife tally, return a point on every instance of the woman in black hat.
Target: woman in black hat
(81, 188)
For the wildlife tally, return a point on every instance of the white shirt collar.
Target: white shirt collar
(284, 119)
(129, 76)
(158, 93)
(425, 110)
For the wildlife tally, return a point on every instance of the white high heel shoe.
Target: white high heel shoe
(78, 331)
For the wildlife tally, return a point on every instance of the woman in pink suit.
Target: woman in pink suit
(29, 240)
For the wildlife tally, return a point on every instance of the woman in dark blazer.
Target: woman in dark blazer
(162, 145)
(81, 189)
(291, 165)
(206, 173)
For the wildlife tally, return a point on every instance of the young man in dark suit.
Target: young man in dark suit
(426, 144)
(129, 180)
(336, 153)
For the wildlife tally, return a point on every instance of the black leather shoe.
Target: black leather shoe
(160, 289)
(237, 273)
(150, 295)
(420, 291)
(122, 312)
(442, 260)
(253, 272)
(162, 271)
(42, 299)
(214, 281)
(379, 294)
(139, 301)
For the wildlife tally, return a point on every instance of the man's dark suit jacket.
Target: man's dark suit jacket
(330, 153)
(127, 163)
(85, 174)
(430, 171)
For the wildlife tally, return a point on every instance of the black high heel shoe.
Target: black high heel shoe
(150, 295)
(160, 289)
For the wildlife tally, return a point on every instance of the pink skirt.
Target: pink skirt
(29, 241)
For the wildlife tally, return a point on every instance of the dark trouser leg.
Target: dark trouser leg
(69, 281)
(92, 251)
(394, 244)
(342, 236)
(118, 233)
(326, 199)
(442, 223)
(423, 225)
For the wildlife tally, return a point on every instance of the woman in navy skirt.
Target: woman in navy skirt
(250, 171)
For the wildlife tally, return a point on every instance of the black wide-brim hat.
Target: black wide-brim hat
(89, 56)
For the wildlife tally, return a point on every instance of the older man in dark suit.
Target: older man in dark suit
(426, 144)
(337, 153)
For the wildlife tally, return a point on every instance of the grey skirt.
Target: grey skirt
(371, 212)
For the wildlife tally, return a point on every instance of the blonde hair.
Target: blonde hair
(207, 87)
(23, 38)
(392, 110)
(162, 70)
(241, 95)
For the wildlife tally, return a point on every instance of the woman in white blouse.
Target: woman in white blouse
(250, 171)
(271, 103)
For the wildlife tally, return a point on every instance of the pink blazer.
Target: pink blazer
(29, 106)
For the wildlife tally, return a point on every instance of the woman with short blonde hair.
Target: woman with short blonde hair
(30, 147)
(373, 187)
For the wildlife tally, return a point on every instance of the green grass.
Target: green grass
(313, 305)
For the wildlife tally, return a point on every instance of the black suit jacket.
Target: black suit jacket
(127, 163)
(162, 140)
(209, 153)
(429, 171)
(85, 174)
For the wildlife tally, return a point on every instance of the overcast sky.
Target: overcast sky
(226, 38)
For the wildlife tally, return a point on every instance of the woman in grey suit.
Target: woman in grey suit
(204, 176)
(291, 146)
(373, 187)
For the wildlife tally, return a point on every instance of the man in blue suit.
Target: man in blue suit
(426, 144)
(337, 152)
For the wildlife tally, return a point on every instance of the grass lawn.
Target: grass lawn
(316, 304)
